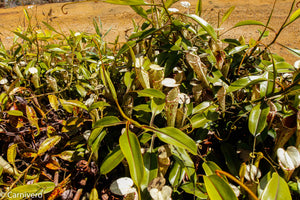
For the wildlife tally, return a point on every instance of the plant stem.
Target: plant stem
(238, 182)
(262, 34)
(285, 24)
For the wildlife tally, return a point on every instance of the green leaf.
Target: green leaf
(210, 167)
(295, 16)
(24, 37)
(294, 51)
(57, 50)
(218, 189)
(112, 160)
(49, 27)
(53, 101)
(128, 79)
(73, 103)
(97, 27)
(110, 85)
(248, 22)
(157, 105)
(131, 149)
(107, 121)
(81, 90)
(201, 107)
(176, 137)
(98, 105)
(140, 11)
(94, 194)
(169, 3)
(199, 120)
(258, 118)
(198, 10)
(150, 92)
(237, 49)
(231, 159)
(206, 26)
(276, 189)
(176, 174)
(191, 189)
(126, 47)
(15, 113)
(151, 168)
(184, 159)
(12, 153)
(126, 2)
(282, 67)
(32, 117)
(48, 144)
(95, 139)
(142, 107)
(35, 190)
(244, 82)
(7, 168)
(67, 155)
(227, 14)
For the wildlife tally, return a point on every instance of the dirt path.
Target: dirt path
(119, 18)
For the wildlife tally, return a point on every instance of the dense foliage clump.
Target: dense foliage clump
(177, 112)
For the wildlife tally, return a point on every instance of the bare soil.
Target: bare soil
(80, 16)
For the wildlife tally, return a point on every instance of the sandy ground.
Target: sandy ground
(119, 19)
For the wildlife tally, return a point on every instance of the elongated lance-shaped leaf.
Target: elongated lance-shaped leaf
(112, 160)
(131, 149)
(110, 85)
(237, 49)
(15, 113)
(227, 14)
(176, 137)
(176, 174)
(126, 2)
(210, 167)
(107, 121)
(206, 26)
(199, 8)
(94, 194)
(35, 189)
(294, 51)
(150, 92)
(258, 118)
(32, 117)
(248, 22)
(7, 168)
(73, 103)
(24, 37)
(244, 82)
(53, 101)
(195, 190)
(95, 139)
(12, 153)
(151, 169)
(47, 144)
(140, 11)
(185, 161)
(171, 106)
(276, 189)
(293, 17)
(218, 189)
